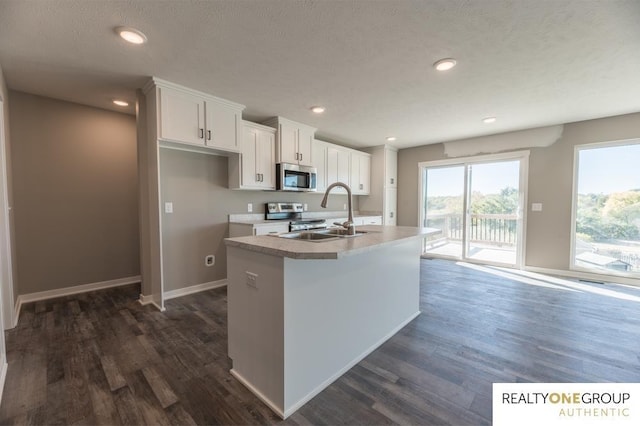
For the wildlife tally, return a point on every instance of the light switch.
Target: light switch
(168, 207)
(249, 207)
(536, 207)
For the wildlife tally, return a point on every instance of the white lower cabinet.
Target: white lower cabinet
(249, 229)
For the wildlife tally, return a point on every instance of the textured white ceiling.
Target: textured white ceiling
(530, 63)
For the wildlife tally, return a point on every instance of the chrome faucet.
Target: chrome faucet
(348, 225)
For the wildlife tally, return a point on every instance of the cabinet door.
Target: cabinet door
(249, 157)
(305, 141)
(277, 228)
(222, 126)
(181, 117)
(265, 160)
(287, 144)
(337, 167)
(391, 166)
(390, 206)
(319, 152)
(360, 180)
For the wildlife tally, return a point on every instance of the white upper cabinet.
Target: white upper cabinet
(181, 117)
(360, 173)
(391, 168)
(338, 160)
(293, 141)
(384, 184)
(191, 117)
(254, 168)
(319, 155)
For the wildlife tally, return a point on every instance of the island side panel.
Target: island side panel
(338, 311)
(256, 323)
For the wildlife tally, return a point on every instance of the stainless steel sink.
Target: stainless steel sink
(308, 236)
(341, 232)
(321, 235)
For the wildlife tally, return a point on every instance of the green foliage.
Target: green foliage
(609, 216)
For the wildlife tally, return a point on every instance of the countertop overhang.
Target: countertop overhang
(375, 237)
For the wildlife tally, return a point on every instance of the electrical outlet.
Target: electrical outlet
(252, 279)
(168, 207)
(306, 207)
(209, 260)
(536, 207)
(344, 207)
(249, 207)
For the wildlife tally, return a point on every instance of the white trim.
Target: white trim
(487, 158)
(292, 409)
(172, 294)
(259, 394)
(3, 374)
(67, 291)
(574, 204)
(148, 300)
(6, 264)
(584, 275)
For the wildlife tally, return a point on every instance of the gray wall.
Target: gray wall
(197, 185)
(75, 193)
(548, 233)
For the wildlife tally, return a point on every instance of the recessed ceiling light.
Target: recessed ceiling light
(120, 103)
(131, 35)
(489, 120)
(318, 109)
(391, 138)
(445, 64)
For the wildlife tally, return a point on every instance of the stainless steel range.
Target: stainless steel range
(293, 213)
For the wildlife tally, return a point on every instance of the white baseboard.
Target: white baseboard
(260, 395)
(194, 289)
(3, 374)
(67, 291)
(148, 300)
(584, 275)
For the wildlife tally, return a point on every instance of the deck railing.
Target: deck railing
(499, 229)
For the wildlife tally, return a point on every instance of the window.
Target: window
(606, 225)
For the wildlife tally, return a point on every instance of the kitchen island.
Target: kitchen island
(301, 313)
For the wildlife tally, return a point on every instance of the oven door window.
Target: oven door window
(293, 179)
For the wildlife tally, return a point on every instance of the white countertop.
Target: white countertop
(375, 237)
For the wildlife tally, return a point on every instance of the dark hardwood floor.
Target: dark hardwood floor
(101, 358)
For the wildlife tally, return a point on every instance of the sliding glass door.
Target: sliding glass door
(477, 205)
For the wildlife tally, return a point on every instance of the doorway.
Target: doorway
(478, 206)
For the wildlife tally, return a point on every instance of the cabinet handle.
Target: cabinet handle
(391, 214)
(392, 181)
(300, 156)
(261, 177)
(361, 186)
(201, 133)
(297, 156)
(257, 177)
(209, 134)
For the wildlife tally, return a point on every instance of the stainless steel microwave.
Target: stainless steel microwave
(292, 177)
